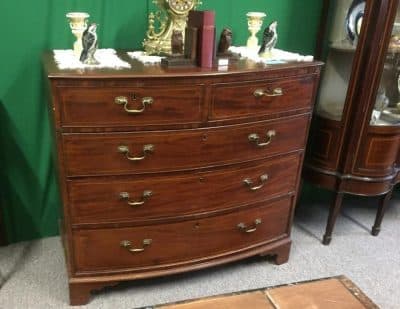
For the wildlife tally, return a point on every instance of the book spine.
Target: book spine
(191, 43)
(206, 46)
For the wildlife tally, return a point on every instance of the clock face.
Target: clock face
(181, 6)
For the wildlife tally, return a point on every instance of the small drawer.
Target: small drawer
(157, 246)
(149, 152)
(124, 106)
(244, 99)
(117, 200)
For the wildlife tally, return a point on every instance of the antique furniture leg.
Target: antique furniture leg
(282, 254)
(383, 203)
(80, 293)
(333, 213)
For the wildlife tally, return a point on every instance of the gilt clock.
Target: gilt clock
(171, 16)
(181, 6)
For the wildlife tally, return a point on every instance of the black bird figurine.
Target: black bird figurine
(270, 37)
(225, 42)
(177, 42)
(89, 45)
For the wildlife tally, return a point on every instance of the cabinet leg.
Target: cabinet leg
(279, 254)
(383, 203)
(79, 293)
(282, 254)
(333, 213)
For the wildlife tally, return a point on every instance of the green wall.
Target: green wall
(29, 195)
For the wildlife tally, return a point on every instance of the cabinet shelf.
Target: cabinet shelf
(391, 116)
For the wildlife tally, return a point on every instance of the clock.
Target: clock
(171, 17)
(181, 6)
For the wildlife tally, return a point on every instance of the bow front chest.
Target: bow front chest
(170, 170)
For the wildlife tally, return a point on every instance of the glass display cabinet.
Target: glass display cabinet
(354, 138)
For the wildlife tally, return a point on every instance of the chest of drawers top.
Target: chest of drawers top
(146, 71)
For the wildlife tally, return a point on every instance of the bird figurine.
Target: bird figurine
(270, 37)
(225, 42)
(89, 44)
(177, 42)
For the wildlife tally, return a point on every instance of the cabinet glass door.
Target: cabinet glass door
(386, 110)
(344, 28)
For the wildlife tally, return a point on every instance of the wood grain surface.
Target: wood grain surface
(221, 160)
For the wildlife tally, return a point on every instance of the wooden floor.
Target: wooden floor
(330, 293)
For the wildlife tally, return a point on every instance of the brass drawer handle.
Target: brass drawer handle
(146, 194)
(149, 148)
(121, 100)
(277, 92)
(255, 138)
(244, 228)
(248, 182)
(127, 245)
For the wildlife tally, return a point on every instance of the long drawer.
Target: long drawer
(153, 246)
(118, 200)
(130, 153)
(130, 106)
(244, 99)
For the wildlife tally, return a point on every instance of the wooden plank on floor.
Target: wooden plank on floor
(254, 300)
(327, 293)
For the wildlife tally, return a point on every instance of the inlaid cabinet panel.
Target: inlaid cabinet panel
(372, 161)
(130, 106)
(243, 99)
(142, 199)
(154, 246)
(144, 152)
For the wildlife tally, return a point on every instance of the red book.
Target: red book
(204, 21)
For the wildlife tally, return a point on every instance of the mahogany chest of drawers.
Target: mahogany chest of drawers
(165, 171)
